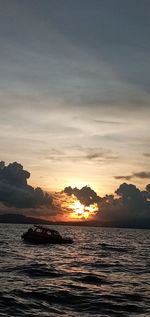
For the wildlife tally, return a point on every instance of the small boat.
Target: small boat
(41, 235)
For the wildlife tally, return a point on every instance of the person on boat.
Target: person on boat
(30, 231)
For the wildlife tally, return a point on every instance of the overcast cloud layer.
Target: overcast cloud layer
(74, 90)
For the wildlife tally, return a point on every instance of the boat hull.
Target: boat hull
(35, 239)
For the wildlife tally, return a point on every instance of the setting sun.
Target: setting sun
(81, 211)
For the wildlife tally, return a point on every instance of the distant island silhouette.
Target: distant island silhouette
(21, 219)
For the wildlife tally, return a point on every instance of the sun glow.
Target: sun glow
(75, 210)
(81, 211)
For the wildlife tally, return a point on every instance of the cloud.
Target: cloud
(15, 192)
(128, 177)
(146, 154)
(106, 122)
(131, 196)
(79, 153)
(100, 154)
(85, 195)
(148, 187)
(143, 175)
(129, 205)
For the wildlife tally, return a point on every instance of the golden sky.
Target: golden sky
(74, 97)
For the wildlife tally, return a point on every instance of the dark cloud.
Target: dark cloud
(79, 30)
(128, 206)
(15, 192)
(148, 188)
(85, 195)
(143, 175)
(131, 196)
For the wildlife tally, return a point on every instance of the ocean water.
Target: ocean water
(106, 272)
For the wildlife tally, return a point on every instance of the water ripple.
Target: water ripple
(104, 273)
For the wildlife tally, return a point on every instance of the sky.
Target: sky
(74, 92)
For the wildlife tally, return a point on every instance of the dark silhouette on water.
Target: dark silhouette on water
(21, 219)
(39, 235)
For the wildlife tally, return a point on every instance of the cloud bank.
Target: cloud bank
(15, 191)
(128, 206)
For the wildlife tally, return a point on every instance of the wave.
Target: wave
(84, 301)
(37, 270)
(104, 274)
(120, 249)
(92, 279)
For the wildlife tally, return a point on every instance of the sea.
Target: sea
(105, 272)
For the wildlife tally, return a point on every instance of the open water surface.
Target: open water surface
(106, 272)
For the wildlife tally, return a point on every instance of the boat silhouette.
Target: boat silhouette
(41, 235)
